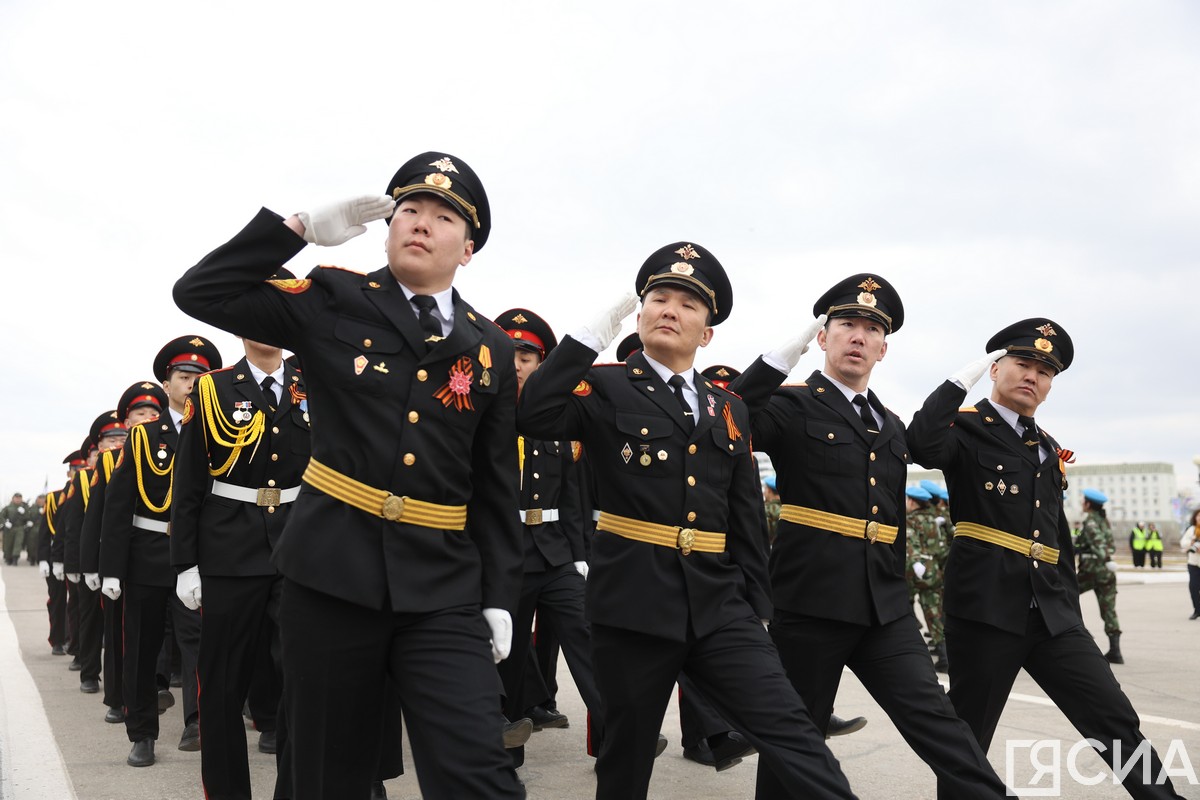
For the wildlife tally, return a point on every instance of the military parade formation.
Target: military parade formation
(409, 518)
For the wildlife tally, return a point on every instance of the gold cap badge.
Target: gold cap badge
(438, 180)
(681, 268)
(445, 165)
(1047, 330)
(1043, 345)
(687, 253)
(520, 319)
(197, 342)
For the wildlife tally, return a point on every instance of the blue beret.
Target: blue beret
(917, 493)
(934, 489)
(1095, 495)
(770, 482)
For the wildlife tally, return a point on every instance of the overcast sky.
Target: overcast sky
(993, 161)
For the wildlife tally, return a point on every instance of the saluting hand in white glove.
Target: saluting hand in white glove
(970, 374)
(600, 333)
(340, 222)
(788, 354)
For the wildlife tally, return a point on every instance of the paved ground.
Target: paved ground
(54, 743)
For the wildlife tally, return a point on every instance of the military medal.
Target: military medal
(712, 405)
(457, 389)
(241, 411)
(644, 459)
(360, 364)
(485, 361)
(626, 453)
(662, 455)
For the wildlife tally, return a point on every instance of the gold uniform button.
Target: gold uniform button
(535, 495)
(366, 342)
(872, 456)
(270, 509)
(536, 476)
(691, 480)
(999, 468)
(1036, 534)
(872, 481)
(1035, 565)
(645, 431)
(1037, 503)
(874, 509)
(413, 416)
(829, 436)
(271, 482)
(409, 459)
(422, 375)
(691, 516)
(274, 456)
(535, 452)
(731, 447)
(1038, 475)
(275, 429)
(692, 449)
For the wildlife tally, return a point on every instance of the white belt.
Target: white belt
(148, 524)
(259, 497)
(536, 516)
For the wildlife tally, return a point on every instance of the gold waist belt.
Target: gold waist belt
(383, 503)
(836, 523)
(1018, 544)
(683, 539)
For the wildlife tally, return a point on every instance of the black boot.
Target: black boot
(1114, 649)
(941, 664)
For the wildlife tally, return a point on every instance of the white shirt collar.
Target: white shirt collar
(689, 383)
(176, 419)
(849, 393)
(258, 376)
(444, 299)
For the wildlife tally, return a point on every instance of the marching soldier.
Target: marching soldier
(77, 462)
(14, 519)
(33, 536)
(841, 464)
(56, 589)
(135, 559)
(402, 555)
(923, 567)
(671, 450)
(1097, 569)
(1012, 597)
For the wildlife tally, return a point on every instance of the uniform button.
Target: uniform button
(1038, 475)
(874, 509)
(1036, 534)
(692, 449)
(366, 342)
(275, 429)
(535, 452)
(645, 431)
(274, 456)
(829, 436)
(409, 459)
(1037, 503)
(271, 482)
(691, 480)
(691, 516)
(535, 495)
(270, 509)
(872, 456)
(413, 416)
(731, 447)
(535, 475)
(999, 468)
(422, 375)
(872, 481)
(1035, 565)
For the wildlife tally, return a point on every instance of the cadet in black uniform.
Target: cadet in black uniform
(1011, 594)
(670, 451)
(135, 557)
(402, 555)
(78, 461)
(56, 589)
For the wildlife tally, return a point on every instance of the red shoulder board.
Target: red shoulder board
(576, 451)
(291, 285)
(582, 390)
(189, 411)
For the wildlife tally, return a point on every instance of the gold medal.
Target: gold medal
(485, 378)
(662, 455)
(645, 460)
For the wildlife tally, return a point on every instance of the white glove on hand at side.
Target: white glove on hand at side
(969, 375)
(582, 568)
(44, 568)
(919, 570)
(73, 577)
(1111, 566)
(788, 354)
(58, 570)
(92, 579)
(340, 222)
(600, 333)
(500, 621)
(111, 588)
(187, 587)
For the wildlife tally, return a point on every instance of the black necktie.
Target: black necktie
(677, 382)
(1031, 437)
(864, 411)
(429, 324)
(267, 384)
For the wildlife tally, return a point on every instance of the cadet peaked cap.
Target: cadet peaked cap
(1038, 338)
(451, 179)
(918, 493)
(934, 489)
(628, 346)
(1095, 495)
(74, 459)
(107, 424)
(139, 395)
(720, 374)
(528, 331)
(863, 295)
(189, 353)
(692, 267)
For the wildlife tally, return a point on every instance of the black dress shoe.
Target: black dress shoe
(546, 718)
(517, 733)
(1195, 615)
(720, 751)
(190, 741)
(90, 686)
(115, 714)
(378, 792)
(841, 727)
(176, 680)
(75, 664)
(141, 754)
(58, 650)
(266, 742)
(165, 700)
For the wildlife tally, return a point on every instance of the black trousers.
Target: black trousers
(1139, 558)
(893, 663)
(72, 592)
(146, 611)
(56, 607)
(1070, 669)
(1155, 559)
(1194, 586)
(236, 623)
(114, 649)
(543, 687)
(738, 670)
(336, 658)
(91, 632)
(697, 717)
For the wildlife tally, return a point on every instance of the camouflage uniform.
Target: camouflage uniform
(1096, 547)
(923, 544)
(16, 519)
(772, 508)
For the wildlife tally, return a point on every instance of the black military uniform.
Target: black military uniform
(56, 590)
(376, 582)
(68, 506)
(837, 566)
(1011, 594)
(135, 549)
(664, 596)
(237, 475)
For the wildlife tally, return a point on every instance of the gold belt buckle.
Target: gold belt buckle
(687, 538)
(268, 497)
(1035, 550)
(393, 508)
(533, 516)
(872, 530)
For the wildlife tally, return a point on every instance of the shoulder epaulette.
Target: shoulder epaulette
(291, 285)
(342, 269)
(968, 410)
(610, 364)
(576, 450)
(793, 386)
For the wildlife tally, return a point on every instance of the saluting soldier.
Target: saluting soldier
(402, 555)
(1097, 569)
(841, 464)
(135, 558)
(678, 578)
(1012, 596)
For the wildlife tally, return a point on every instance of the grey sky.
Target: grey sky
(992, 160)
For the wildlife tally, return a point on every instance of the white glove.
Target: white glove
(600, 333)
(500, 621)
(969, 375)
(766, 623)
(44, 568)
(340, 222)
(582, 568)
(187, 587)
(1111, 566)
(919, 570)
(58, 570)
(7, 524)
(788, 354)
(92, 579)
(112, 588)
(73, 577)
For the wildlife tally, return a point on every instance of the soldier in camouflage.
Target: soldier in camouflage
(1097, 570)
(772, 506)
(923, 567)
(16, 519)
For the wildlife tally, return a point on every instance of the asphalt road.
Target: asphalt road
(54, 743)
